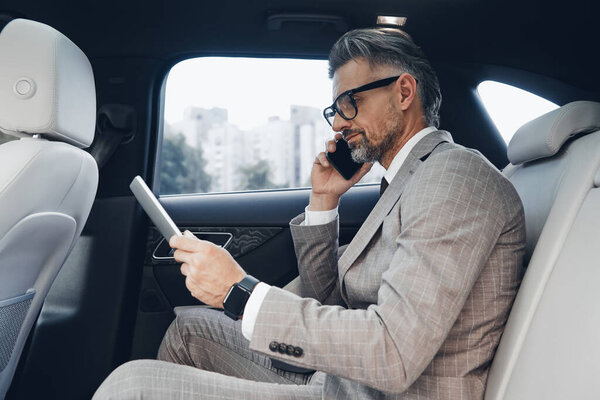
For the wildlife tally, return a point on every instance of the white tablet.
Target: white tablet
(153, 208)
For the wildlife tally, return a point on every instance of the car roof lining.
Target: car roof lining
(531, 35)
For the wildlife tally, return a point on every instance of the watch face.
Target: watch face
(236, 300)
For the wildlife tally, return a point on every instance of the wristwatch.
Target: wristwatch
(238, 296)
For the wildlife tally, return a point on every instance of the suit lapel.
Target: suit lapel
(387, 201)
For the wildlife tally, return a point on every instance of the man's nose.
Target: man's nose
(339, 123)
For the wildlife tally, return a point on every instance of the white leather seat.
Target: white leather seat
(47, 183)
(549, 349)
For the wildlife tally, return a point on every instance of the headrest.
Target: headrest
(46, 85)
(544, 136)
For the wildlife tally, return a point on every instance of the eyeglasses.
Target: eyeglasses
(345, 105)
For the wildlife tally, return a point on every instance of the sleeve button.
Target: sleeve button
(282, 348)
(290, 350)
(298, 352)
(273, 346)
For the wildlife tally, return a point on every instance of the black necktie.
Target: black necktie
(384, 185)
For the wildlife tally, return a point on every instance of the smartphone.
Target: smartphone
(153, 208)
(342, 160)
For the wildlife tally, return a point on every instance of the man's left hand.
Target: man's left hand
(210, 270)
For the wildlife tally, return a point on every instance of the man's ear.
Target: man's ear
(406, 89)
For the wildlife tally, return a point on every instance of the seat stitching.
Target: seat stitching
(21, 171)
(73, 183)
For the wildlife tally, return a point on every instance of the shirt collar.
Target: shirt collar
(405, 151)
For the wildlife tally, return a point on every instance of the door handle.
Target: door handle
(163, 251)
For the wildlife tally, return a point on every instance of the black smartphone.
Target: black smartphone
(342, 160)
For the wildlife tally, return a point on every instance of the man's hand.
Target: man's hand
(327, 184)
(210, 270)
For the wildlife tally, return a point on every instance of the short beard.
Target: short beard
(364, 150)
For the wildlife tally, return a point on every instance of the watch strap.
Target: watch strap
(249, 283)
(231, 315)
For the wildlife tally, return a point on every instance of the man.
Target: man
(414, 307)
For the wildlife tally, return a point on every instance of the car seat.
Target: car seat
(549, 347)
(47, 182)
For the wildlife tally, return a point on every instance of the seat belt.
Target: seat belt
(116, 124)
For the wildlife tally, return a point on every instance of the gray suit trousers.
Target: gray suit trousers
(205, 356)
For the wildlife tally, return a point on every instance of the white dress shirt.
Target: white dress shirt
(319, 218)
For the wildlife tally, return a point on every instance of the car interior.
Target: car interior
(87, 282)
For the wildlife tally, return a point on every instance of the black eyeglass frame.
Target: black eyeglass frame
(332, 109)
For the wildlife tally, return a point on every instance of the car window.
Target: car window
(510, 107)
(236, 124)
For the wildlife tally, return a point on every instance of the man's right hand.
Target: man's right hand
(327, 184)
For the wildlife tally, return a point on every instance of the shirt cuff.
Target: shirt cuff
(319, 217)
(252, 308)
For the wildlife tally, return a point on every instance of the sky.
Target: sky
(252, 90)
(511, 107)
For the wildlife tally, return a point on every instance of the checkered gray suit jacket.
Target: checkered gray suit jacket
(415, 306)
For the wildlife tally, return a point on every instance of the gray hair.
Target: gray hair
(387, 46)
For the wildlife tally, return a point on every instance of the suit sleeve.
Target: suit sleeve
(317, 251)
(451, 219)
